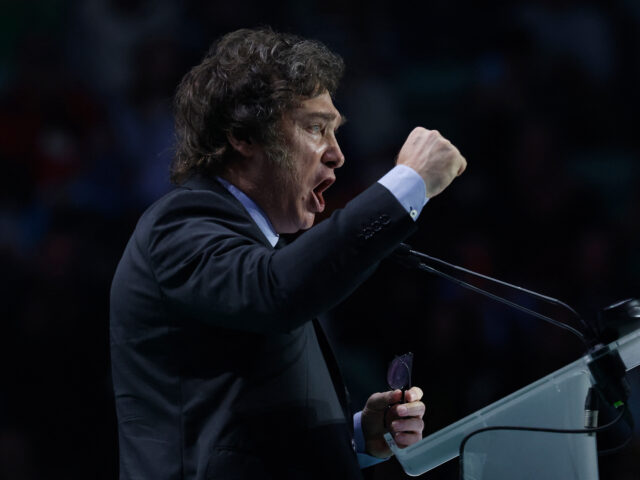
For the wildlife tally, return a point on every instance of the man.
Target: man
(220, 369)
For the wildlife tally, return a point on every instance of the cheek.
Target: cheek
(302, 193)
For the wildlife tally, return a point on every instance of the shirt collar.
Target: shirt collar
(256, 213)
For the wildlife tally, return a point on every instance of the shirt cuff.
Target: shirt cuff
(364, 460)
(408, 187)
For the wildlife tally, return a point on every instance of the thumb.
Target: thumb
(380, 401)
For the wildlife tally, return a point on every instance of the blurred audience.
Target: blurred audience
(540, 96)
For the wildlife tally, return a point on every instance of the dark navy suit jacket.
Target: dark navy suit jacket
(219, 371)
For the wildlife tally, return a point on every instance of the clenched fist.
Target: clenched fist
(434, 157)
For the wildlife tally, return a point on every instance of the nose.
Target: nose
(333, 157)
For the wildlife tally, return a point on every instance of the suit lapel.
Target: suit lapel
(330, 359)
(334, 370)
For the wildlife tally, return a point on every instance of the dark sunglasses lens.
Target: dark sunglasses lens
(399, 373)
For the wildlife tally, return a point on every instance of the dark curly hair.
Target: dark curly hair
(244, 84)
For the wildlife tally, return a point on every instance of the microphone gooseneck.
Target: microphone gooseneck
(410, 258)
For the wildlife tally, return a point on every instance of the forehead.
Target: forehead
(320, 106)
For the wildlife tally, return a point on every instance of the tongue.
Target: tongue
(319, 201)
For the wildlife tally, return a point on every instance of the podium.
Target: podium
(555, 401)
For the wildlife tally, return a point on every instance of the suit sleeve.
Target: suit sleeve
(207, 266)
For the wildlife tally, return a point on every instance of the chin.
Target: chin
(296, 223)
(295, 227)
(307, 221)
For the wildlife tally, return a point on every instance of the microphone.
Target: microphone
(606, 366)
(406, 256)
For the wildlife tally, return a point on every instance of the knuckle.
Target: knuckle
(376, 397)
(416, 132)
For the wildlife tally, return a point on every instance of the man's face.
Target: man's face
(297, 182)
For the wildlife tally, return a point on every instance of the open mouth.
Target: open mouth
(317, 193)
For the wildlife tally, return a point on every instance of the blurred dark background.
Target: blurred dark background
(540, 96)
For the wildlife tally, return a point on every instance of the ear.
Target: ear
(243, 147)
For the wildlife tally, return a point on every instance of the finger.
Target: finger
(404, 439)
(413, 394)
(411, 425)
(413, 409)
(380, 401)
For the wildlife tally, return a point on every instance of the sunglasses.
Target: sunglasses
(399, 373)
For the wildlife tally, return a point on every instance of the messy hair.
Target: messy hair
(244, 84)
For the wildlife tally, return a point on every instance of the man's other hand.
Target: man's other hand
(402, 420)
(434, 157)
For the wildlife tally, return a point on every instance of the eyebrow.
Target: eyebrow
(327, 116)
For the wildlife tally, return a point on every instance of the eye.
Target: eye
(315, 128)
